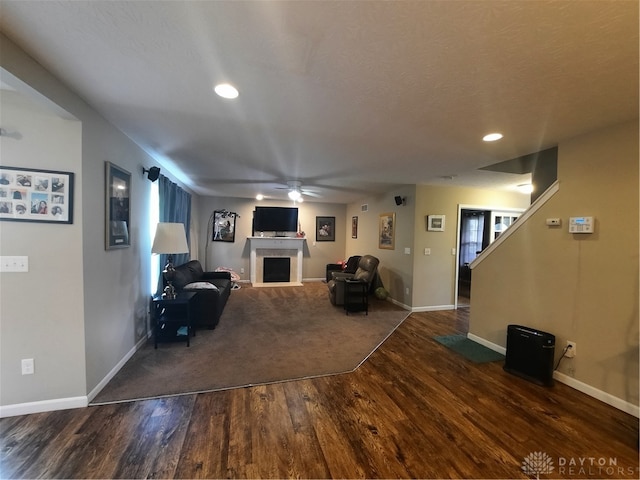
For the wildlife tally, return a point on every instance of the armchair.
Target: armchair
(366, 272)
(349, 267)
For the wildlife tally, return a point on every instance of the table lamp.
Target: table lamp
(170, 238)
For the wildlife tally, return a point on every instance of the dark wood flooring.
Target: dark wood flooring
(413, 410)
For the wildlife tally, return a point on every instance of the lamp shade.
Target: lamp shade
(170, 238)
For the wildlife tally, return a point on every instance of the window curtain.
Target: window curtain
(472, 229)
(174, 207)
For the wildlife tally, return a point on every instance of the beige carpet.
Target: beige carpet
(265, 335)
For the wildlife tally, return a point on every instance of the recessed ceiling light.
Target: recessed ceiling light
(226, 90)
(492, 137)
(259, 197)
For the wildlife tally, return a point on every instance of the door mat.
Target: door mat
(469, 349)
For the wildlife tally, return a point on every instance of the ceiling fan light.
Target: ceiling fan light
(294, 195)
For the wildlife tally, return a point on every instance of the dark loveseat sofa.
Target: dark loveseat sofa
(209, 302)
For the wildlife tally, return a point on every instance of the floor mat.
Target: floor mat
(469, 349)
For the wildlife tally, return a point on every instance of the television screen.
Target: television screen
(275, 219)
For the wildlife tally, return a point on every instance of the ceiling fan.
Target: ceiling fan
(296, 191)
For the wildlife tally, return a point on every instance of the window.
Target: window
(154, 218)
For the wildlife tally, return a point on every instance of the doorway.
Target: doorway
(478, 227)
(473, 239)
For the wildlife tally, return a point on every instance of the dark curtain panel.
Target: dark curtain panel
(175, 207)
(471, 234)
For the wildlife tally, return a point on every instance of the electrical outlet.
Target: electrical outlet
(242, 270)
(571, 352)
(28, 367)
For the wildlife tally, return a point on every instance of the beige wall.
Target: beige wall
(435, 274)
(396, 269)
(582, 288)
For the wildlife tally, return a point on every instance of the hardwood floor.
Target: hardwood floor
(413, 410)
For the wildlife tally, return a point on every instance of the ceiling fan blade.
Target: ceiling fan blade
(311, 194)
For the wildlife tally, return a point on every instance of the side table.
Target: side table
(170, 315)
(356, 296)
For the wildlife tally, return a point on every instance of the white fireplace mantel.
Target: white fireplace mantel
(291, 247)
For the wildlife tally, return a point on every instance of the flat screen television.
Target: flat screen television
(275, 219)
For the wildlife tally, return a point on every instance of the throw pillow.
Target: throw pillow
(200, 286)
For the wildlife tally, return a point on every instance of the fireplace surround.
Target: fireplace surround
(276, 247)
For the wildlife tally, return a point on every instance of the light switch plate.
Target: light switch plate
(14, 264)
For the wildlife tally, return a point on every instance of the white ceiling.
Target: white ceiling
(348, 97)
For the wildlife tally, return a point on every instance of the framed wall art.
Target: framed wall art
(118, 204)
(30, 195)
(387, 231)
(435, 223)
(354, 227)
(224, 226)
(325, 229)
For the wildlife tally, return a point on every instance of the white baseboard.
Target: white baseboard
(432, 308)
(71, 402)
(493, 346)
(112, 373)
(604, 397)
(401, 305)
(43, 406)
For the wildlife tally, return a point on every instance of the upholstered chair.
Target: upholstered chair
(366, 272)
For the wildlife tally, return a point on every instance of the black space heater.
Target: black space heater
(530, 354)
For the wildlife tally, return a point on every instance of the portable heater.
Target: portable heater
(530, 354)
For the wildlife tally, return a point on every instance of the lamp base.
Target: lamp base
(169, 292)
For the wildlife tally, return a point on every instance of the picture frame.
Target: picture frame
(224, 226)
(117, 207)
(387, 231)
(34, 195)
(435, 223)
(354, 227)
(325, 229)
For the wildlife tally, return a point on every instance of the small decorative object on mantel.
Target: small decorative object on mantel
(28, 195)
(435, 223)
(300, 232)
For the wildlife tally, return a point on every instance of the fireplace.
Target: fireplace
(276, 269)
(276, 248)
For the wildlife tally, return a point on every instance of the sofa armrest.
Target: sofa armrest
(341, 276)
(216, 275)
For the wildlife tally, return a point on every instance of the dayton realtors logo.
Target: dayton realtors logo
(539, 463)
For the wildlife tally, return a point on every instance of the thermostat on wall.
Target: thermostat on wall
(581, 225)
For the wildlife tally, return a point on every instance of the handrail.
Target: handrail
(534, 207)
